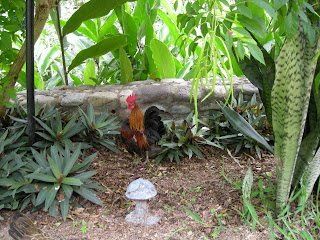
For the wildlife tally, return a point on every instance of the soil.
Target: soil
(196, 184)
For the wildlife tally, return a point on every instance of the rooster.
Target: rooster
(140, 131)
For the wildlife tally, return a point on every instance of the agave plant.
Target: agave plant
(183, 140)
(96, 129)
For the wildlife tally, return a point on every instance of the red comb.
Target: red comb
(131, 98)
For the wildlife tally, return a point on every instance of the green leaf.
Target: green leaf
(291, 25)
(195, 150)
(264, 5)
(255, 25)
(130, 29)
(244, 10)
(247, 184)
(125, 67)
(54, 168)
(88, 194)
(42, 195)
(71, 161)
(163, 59)
(76, 80)
(256, 52)
(85, 175)
(240, 50)
(173, 30)
(42, 177)
(279, 3)
(90, 73)
(41, 159)
(71, 181)
(242, 31)
(64, 208)
(51, 196)
(239, 123)
(104, 46)
(46, 127)
(90, 10)
(68, 190)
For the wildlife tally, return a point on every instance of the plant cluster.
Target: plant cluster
(182, 140)
(241, 125)
(53, 171)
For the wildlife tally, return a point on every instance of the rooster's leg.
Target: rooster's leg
(147, 157)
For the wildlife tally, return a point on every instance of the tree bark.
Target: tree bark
(43, 8)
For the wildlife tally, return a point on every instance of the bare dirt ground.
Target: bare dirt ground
(195, 184)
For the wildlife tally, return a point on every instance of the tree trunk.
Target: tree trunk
(42, 12)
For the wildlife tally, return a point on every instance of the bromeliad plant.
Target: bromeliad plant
(241, 125)
(183, 140)
(97, 128)
(58, 132)
(59, 176)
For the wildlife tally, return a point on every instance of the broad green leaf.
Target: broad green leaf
(90, 10)
(149, 31)
(90, 73)
(255, 25)
(45, 59)
(242, 31)
(104, 46)
(107, 26)
(76, 80)
(291, 25)
(163, 59)
(125, 67)
(244, 10)
(239, 123)
(264, 5)
(92, 27)
(256, 52)
(130, 29)
(290, 100)
(184, 70)
(173, 30)
(279, 3)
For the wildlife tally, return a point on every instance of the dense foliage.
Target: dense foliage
(274, 43)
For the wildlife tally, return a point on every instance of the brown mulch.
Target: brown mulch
(195, 184)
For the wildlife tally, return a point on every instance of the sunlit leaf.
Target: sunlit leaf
(90, 10)
(163, 59)
(104, 46)
(125, 67)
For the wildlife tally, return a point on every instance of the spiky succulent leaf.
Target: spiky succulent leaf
(290, 99)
